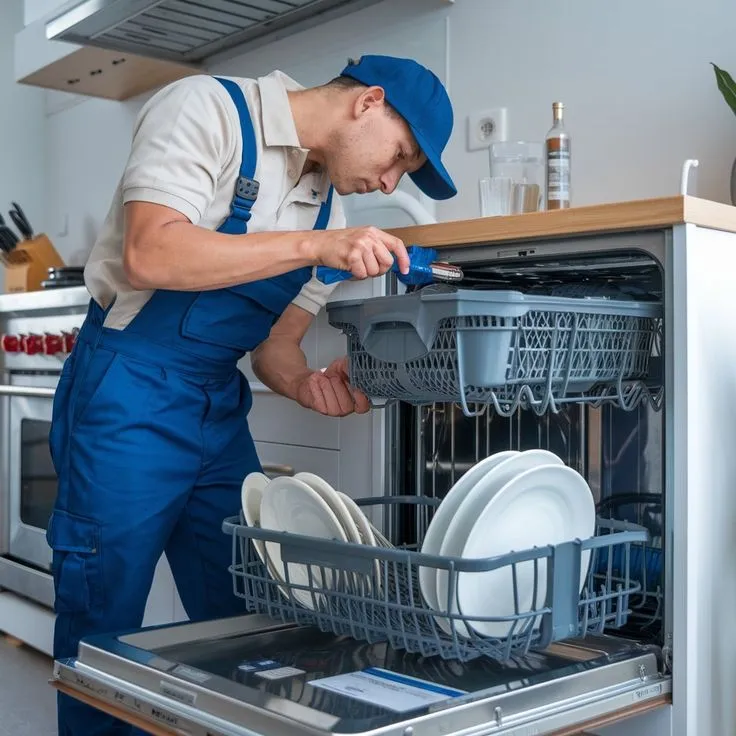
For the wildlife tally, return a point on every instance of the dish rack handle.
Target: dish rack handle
(379, 333)
(310, 554)
(563, 580)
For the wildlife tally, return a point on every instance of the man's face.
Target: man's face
(373, 149)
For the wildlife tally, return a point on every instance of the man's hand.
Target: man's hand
(364, 251)
(330, 392)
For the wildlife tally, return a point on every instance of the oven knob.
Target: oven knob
(52, 344)
(11, 343)
(68, 339)
(32, 344)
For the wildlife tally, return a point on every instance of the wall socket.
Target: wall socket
(486, 127)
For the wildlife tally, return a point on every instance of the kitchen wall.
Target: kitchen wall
(22, 138)
(640, 94)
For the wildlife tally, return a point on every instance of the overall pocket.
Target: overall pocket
(77, 564)
(228, 318)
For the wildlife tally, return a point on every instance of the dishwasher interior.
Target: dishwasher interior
(619, 449)
(286, 669)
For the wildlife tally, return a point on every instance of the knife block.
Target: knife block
(28, 264)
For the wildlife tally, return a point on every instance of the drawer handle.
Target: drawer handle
(274, 469)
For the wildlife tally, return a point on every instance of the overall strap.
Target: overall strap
(246, 188)
(323, 217)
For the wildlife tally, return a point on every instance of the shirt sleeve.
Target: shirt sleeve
(314, 293)
(182, 139)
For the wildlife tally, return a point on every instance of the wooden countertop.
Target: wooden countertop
(640, 214)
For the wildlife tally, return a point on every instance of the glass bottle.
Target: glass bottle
(557, 161)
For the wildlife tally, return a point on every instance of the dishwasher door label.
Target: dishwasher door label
(398, 693)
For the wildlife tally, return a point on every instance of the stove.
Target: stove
(38, 331)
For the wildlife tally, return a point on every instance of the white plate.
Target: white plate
(367, 537)
(359, 519)
(471, 507)
(251, 493)
(546, 505)
(332, 498)
(290, 505)
(443, 516)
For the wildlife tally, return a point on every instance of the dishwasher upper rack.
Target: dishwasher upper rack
(372, 593)
(502, 348)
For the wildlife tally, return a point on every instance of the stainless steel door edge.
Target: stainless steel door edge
(156, 709)
(27, 581)
(166, 709)
(29, 391)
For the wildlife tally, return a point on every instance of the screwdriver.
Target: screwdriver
(424, 269)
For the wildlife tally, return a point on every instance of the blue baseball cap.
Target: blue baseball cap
(421, 99)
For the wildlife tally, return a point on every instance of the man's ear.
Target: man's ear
(368, 99)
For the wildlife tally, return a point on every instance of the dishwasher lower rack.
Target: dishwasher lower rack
(646, 561)
(501, 348)
(372, 593)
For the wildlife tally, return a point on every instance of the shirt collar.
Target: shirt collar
(278, 122)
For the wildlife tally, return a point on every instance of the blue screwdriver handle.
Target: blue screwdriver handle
(420, 269)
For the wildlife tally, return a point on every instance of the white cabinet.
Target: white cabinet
(160, 604)
(84, 70)
(34, 10)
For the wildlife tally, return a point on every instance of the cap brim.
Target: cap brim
(433, 178)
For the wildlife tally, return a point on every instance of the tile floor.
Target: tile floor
(27, 701)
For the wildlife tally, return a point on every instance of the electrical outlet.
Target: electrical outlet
(486, 127)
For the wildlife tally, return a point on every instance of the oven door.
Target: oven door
(31, 479)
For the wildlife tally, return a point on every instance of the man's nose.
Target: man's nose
(389, 182)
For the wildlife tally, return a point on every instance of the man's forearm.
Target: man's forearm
(183, 257)
(280, 364)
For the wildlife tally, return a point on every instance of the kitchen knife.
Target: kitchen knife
(424, 269)
(8, 239)
(21, 221)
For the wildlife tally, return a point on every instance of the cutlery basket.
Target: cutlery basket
(504, 348)
(373, 594)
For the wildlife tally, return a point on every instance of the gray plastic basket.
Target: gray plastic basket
(502, 348)
(373, 592)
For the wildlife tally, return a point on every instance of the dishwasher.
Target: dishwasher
(367, 656)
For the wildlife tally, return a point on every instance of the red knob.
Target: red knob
(32, 344)
(52, 344)
(10, 343)
(68, 339)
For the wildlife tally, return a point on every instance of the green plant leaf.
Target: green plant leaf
(727, 86)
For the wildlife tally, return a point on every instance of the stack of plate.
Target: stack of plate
(510, 501)
(307, 505)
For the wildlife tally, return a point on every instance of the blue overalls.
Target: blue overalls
(151, 443)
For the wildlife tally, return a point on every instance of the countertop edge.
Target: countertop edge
(71, 299)
(639, 214)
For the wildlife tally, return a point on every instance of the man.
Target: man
(210, 250)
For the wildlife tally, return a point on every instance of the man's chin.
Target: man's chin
(344, 190)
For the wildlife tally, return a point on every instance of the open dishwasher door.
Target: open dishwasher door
(249, 676)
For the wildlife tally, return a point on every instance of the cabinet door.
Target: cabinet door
(160, 604)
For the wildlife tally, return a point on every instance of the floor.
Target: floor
(27, 701)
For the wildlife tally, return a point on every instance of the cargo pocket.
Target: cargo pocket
(228, 318)
(76, 565)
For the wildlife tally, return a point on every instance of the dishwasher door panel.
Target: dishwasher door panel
(250, 676)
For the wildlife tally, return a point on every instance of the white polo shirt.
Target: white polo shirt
(186, 154)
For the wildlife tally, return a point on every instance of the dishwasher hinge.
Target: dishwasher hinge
(667, 654)
(498, 715)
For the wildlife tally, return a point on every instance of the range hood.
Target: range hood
(188, 31)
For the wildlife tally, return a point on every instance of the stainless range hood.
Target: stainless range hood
(189, 31)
